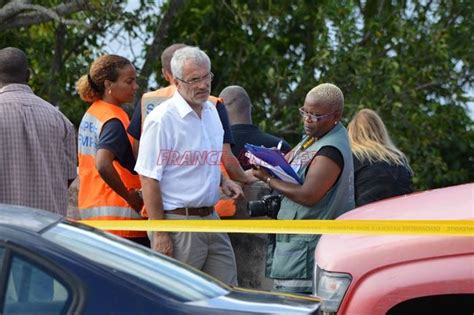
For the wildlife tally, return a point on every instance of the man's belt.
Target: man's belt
(202, 212)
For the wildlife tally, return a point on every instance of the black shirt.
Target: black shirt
(113, 137)
(246, 133)
(379, 180)
(334, 154)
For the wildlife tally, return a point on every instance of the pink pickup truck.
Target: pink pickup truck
(396, 274)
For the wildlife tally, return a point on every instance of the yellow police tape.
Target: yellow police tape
(378, 227)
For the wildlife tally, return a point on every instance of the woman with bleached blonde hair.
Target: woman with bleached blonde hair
(325, 190)
(381, 170)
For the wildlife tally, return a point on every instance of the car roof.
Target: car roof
(339, 251)
(31, 219)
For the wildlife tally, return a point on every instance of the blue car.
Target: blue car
(50, 265)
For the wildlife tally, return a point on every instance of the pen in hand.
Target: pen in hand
(280, 143)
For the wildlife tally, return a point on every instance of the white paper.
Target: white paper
(278, 171)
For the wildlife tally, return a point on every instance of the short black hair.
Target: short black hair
(13, 66)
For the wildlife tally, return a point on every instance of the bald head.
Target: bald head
(168, 54)
(238, 105)
(13, 66)
(327, 95)
(166, 57)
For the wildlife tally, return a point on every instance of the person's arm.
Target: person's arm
(230, 188)
(231, 163)
(154, 140)
(104, 159)
(322, 175)
(135, 127)
(70, 151)
(114, 145)
(161, 241)
(135, 146)
(233, 167)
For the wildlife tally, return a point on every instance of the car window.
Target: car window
(178, 280)
(31, 290)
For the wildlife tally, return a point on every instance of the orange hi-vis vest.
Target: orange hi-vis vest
(224, 207)
(96, 200)
(152, 99)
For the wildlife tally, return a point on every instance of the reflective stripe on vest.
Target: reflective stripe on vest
(96, 199)
(88, 136)
(119, 212)
(293, 285)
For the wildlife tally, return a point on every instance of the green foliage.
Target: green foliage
(410, 61)
(59, 54)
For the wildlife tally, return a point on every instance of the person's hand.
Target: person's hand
(250, 178)
(161, 242)
(232, 189)
(277, 147)
(260, 173)
(134, 200)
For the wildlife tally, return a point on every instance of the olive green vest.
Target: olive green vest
(292, 255)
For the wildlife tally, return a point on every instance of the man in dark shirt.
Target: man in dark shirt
(239, 109)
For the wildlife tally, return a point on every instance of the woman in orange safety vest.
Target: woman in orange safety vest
(108, 185)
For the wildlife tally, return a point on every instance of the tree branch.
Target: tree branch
(56, 63)
(90, 28)
(16, 13)
(426, 85)
(158, 44)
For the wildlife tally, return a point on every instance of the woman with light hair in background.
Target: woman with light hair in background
(381, 170)
(108, 184)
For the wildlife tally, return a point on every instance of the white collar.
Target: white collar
(183, 107)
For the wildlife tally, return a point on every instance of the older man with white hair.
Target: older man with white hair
(178, 163)
(323, 160)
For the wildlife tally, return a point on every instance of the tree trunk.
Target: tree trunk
(56, 64)
(158, 45)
